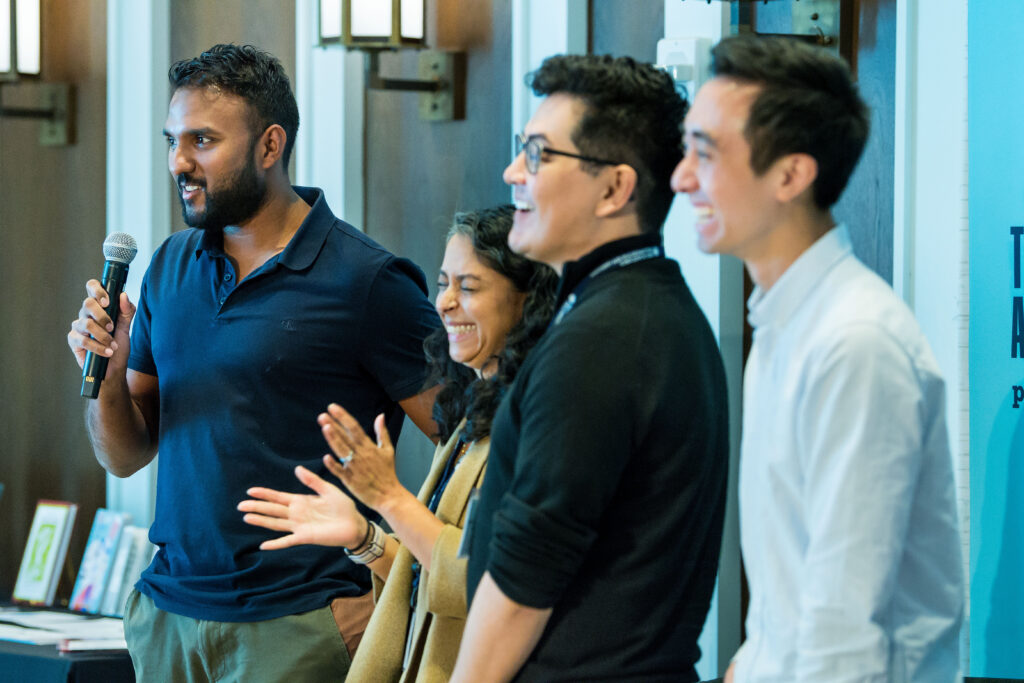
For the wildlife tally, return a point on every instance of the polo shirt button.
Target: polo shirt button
(227, 277)
(222, 300)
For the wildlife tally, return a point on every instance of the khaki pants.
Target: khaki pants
(312, 646)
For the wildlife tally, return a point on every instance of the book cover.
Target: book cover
(134, 553)
(45, 550)
(99, 557)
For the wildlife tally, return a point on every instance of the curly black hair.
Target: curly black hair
(463, 394)
(633, 116)
(252, 74)
(808, 103)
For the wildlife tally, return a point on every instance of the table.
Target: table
(24, 663)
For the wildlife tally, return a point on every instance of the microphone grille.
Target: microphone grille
(120, 247)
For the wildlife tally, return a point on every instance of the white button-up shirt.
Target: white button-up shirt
(847, 507)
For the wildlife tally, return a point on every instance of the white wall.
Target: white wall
(331, 99)
(930, 230)
(717, 284)
(541, 28)
(138, 188)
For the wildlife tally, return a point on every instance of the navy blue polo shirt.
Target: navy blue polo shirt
(244, 368)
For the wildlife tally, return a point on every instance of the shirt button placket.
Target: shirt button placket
(225, 288)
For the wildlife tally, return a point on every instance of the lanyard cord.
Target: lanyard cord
(620, 261)
(435, 500)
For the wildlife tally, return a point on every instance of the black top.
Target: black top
(605, 489)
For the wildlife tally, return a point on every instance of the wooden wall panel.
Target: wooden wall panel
(419, 173)
(867, 205)
(267, 24)
(52, 222)
(627, 28)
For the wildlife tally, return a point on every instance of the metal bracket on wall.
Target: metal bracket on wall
(818, 20)
(831, 24)
(441, 83)
(55, 112)
(448, 103)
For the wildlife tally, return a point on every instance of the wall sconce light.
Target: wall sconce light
(376, 25)
(20, 56)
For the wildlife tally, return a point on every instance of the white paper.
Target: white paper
(92, 644)
(32, 636)
(51, 627)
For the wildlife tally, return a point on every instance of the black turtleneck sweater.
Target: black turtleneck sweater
(605, 490)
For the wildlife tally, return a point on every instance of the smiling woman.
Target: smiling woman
(495, 305)
(478, 306)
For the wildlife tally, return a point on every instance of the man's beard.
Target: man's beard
(238, 200)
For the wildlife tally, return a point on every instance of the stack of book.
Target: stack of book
(134, 553)
(115, 556)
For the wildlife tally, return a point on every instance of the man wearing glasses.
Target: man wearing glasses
(594, 544)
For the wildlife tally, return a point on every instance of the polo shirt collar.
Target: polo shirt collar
(211, 241)
(574, 272)
(776, 306)
(304, 245)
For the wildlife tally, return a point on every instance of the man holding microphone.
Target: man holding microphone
(249, 324)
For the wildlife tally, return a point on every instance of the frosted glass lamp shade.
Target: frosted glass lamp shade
(330, 21)
(28, 36)
(371, 20)
(20, 44)
(5, 37)
(372, 24)
(412, 24)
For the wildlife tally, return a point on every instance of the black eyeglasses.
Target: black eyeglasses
(535, 149)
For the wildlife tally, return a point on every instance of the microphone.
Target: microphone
(118, 249)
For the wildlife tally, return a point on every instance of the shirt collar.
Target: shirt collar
(776, 306)
(304, 245)
(574, 272)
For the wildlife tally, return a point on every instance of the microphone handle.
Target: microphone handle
(115, 274)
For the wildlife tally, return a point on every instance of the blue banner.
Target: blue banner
(996, 199)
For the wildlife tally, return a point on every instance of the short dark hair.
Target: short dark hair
(808, 104)
(463, 395)
(252, 74)
(632, 116)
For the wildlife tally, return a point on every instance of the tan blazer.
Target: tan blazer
(441, 604)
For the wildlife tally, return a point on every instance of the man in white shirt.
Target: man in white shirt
(847, 509)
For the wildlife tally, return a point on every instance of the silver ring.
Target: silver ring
(347, 459)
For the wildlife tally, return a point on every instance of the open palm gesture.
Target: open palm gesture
(328, 518)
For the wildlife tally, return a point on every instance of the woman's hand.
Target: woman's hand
(328, 518)
(365, 467)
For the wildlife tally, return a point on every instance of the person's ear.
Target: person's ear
(795, 174)
(619, 190)
(270, 146)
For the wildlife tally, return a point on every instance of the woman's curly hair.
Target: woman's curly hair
(462, 393)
